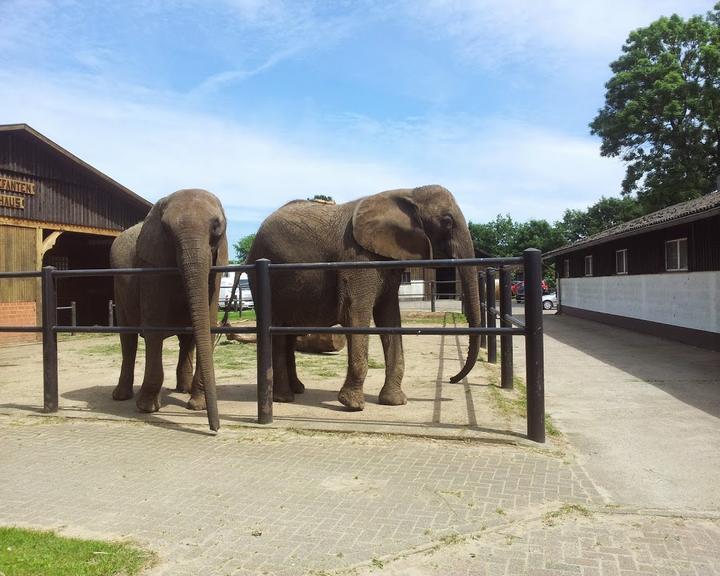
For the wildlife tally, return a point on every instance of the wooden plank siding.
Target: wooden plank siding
(66, 192)
(18, 254)
(646, 252)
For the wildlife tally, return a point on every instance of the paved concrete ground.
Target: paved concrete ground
(606, 499)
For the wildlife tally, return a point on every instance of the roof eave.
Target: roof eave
(635, 232)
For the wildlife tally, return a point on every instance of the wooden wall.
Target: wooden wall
(18, 253)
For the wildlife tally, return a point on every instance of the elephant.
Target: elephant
(403, 224)
(185, 230)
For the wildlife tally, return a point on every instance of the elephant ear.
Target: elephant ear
(154, 246)
(388, 224)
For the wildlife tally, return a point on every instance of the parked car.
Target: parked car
(243, 299)
(520, 290)
(549, 301)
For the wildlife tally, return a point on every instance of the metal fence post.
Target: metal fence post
(506, 345)
(534, 345)
(111, 320)
(432, 296)
(264, 343)
(50, 360)
(483, 307)
(73, 316)
(491, 323)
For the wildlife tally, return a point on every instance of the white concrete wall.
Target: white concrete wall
(413, 291)
(690, 300)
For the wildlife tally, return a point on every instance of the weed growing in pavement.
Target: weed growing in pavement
(566, 510)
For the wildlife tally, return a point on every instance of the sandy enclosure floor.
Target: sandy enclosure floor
(90, 364)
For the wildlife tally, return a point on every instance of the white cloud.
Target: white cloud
(494, 33)
(154, 144)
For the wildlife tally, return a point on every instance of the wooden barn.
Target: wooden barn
(658, 274)
(56, 210)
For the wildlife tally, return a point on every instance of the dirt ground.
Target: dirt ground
(89, 367)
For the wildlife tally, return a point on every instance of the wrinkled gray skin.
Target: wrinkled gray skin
(420, 223)
(185, 230)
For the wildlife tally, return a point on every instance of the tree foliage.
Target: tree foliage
(242, 247)
(606, 213)
(662, 110)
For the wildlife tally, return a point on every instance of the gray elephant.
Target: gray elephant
(185, 230)
(419, 223)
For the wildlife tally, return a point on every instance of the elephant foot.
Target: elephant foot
(196, 403)
(184, 386)
(146, 403)
(122, 392)
(296, 386)
(283, 396)
(352, 398)
(392, 396)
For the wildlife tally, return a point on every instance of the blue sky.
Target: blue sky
(262, 102)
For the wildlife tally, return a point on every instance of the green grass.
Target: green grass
(515, 404)
(248, 315)
(32, 553)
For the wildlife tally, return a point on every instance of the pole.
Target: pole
(264, 343)
(506, 345)
(50, 360)
(483, 307)
(491, 323)
(73, 316)
(534, 345)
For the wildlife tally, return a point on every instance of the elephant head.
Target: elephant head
(187, 230)
(422, 223)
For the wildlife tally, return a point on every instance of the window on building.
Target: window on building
(621, 266)
(566, 268)
(588, 266)
(405, 278)
(676, 255)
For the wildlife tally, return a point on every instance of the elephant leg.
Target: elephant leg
(351, 394)
(282, 389)
(184, 371)
(149, 398)
(124, 389)
(387, 313)
(197, 393)
(295, 384)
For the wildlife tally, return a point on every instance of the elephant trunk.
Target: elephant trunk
(194, 264)
(471, 298)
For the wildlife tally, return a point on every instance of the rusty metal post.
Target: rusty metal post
(491, 323)
(534, 345)
(50, 359)
(483, 307)
(506, 344)
(264, 343)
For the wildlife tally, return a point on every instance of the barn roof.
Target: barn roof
(696, 209)
(45, 141)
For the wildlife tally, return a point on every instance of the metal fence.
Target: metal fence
(531, 329)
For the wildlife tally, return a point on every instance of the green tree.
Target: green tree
(242, 247)
(662, 110)
(606, 213)
(495, 237)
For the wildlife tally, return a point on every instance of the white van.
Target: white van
(242, 298)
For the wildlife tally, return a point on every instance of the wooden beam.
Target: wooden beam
(57, 226)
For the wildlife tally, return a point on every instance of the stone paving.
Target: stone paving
(301, 501)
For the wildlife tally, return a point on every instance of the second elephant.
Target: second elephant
(419, 223)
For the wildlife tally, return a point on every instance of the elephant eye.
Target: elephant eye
(447, 222)
(216, 229)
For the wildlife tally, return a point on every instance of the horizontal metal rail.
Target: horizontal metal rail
(397, 264)
(21, 329)
(391, 330)
(141, 329)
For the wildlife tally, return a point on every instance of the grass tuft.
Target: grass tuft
(31, 552)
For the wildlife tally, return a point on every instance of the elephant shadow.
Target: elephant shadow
(97, 400)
